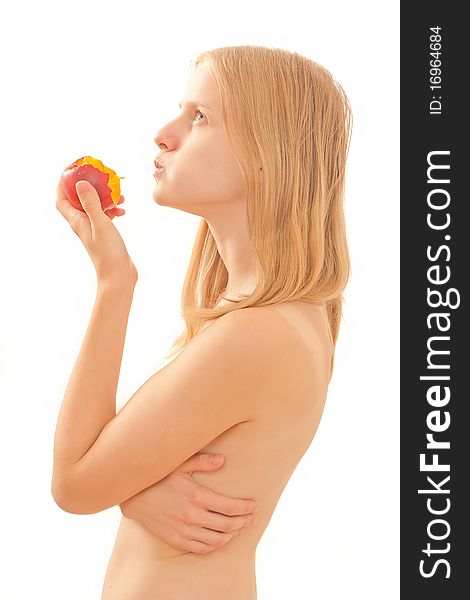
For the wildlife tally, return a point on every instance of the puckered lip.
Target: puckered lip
(158, 165)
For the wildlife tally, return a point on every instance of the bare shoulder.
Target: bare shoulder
(256, 340)
(263, 325)
(251, 341)
(287, 366)
(255, 358)
(254, 329)
(296, 337)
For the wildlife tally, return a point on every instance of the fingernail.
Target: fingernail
(216, 460)
(82, 187)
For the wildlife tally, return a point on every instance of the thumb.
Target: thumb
(89, 199)
(202, 462)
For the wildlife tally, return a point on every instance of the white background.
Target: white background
(101, 78)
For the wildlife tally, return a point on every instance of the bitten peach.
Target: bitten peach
(103, 179)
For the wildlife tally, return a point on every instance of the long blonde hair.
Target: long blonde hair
(293, 123)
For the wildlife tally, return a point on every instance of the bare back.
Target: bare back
(260, 456)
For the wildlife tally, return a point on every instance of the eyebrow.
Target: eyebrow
(195, 103)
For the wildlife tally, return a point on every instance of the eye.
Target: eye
(198, 112)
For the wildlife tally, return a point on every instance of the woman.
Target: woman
(259, 152)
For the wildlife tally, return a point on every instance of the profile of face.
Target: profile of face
(201, 175)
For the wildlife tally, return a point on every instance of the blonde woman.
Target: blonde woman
(258, 151)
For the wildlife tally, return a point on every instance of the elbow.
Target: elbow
(59, 497)
(70, 501)
(78, 494)
(60, 485)
(72, 506)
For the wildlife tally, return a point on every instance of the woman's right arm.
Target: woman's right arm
(177, 509)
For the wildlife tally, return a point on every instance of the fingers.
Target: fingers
(90, 200)
(65, 208)
(210, 538)
(202, 461)
(206, 531)
(218, 522)
(60, 192)
(191, 545)
(77, 219)
(224, 504)
(115, 212)
(63, 205)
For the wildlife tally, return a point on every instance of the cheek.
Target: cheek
(204, 176)
(224, 172)
(218, 184)
(204, 172)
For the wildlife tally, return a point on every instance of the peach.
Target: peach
(103, 179)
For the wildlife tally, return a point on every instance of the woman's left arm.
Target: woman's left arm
(89, 402)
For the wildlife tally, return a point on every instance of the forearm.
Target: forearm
(89, 402)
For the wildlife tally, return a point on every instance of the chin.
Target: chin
(162, 201)
(159, 198)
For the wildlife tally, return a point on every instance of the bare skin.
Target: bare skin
(144, 566)
(187, 515)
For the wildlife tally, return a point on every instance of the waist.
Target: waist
(143, 567)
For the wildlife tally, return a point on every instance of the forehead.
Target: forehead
(201, 90)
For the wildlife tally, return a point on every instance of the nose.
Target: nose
(164, 139)
(169, 136)
(158, 139)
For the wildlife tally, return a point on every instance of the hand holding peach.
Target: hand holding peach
(92, 222)
(102, 178)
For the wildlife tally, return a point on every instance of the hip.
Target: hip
(143, 567)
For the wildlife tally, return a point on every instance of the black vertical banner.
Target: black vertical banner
(434, 331)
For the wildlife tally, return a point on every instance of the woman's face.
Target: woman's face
(200, 173)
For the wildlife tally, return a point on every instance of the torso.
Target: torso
(260, 456)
